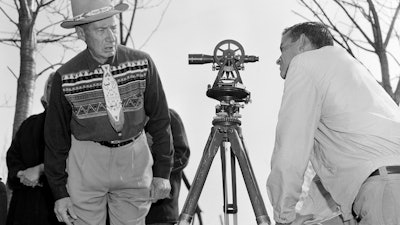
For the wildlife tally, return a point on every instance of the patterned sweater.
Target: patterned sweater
(77, 106)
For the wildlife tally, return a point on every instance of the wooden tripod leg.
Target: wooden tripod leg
(213, 143)
(257, 202)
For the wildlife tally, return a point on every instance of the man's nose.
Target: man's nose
(278, 61)
(110, 35)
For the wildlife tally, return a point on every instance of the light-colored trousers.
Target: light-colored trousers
(378, 201)
(118, 178)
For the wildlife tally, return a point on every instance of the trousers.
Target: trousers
(114, 180)
(378, 201)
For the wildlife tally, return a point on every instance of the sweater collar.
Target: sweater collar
(93, 64)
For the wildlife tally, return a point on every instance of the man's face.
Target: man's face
(101, 38)
(289, 50)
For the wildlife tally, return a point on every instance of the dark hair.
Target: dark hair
(317, 33)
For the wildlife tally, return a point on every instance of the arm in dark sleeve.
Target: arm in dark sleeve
(57, 134)
(14, 160)
(156, 109)
(181, 144)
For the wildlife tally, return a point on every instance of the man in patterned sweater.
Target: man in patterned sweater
(96, 154)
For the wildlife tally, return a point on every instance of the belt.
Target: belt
(389, 169)
(119, 143)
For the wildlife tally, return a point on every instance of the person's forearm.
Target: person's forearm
(57, 134)
(41, 168)
(158, 126)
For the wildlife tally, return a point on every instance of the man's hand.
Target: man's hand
(23, 180)
(30, 176)
(160, 189)
(300, 219)
(33, 174)
(64, 211)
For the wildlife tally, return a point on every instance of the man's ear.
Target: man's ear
(80, 32)
(304, 43)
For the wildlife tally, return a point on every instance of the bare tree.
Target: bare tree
(369, 25)
(23, 15)
(127, 19)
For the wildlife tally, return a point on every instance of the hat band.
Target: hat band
(92, 13)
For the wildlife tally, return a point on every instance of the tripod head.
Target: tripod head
(228, 88)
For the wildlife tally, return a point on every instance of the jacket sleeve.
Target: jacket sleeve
(57, 134)
(297, 122)
(180, 142)
(158, 126)
(14, 159)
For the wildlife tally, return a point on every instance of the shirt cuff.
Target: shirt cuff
(60, 192)
(162, 169)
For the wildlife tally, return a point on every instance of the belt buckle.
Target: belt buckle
(116, 142)
(119, 143)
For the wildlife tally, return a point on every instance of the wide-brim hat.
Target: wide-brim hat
(87, 11)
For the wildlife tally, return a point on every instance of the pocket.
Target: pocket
(142, 152)
(133, 164)
(368, 203)
(142, 161)
(77, 155)
(77, 165)
(391, 198)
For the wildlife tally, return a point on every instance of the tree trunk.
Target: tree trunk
(27, 76)
(25, 89)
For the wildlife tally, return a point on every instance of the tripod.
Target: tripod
(226, 128)
(228, 88)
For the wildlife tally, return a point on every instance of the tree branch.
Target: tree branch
(39, 6)
(146, 5)
(16, 5)
(397, 93)
(44, 4)
(24, 8)
(158, 25)
(48, 26)
(335, 28)
(376, 27)
(12, 72)
(131, 23)
(48, 68)
(393, 57)
(356, 6)
(10, 40)
(56, 38)
(343, 44)
(355, 23)
(8, 17)
(389, 34)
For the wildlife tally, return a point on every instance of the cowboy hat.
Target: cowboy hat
(87, 11)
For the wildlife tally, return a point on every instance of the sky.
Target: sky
(191, 27)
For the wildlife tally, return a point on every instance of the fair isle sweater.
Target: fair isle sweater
(77, 107)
